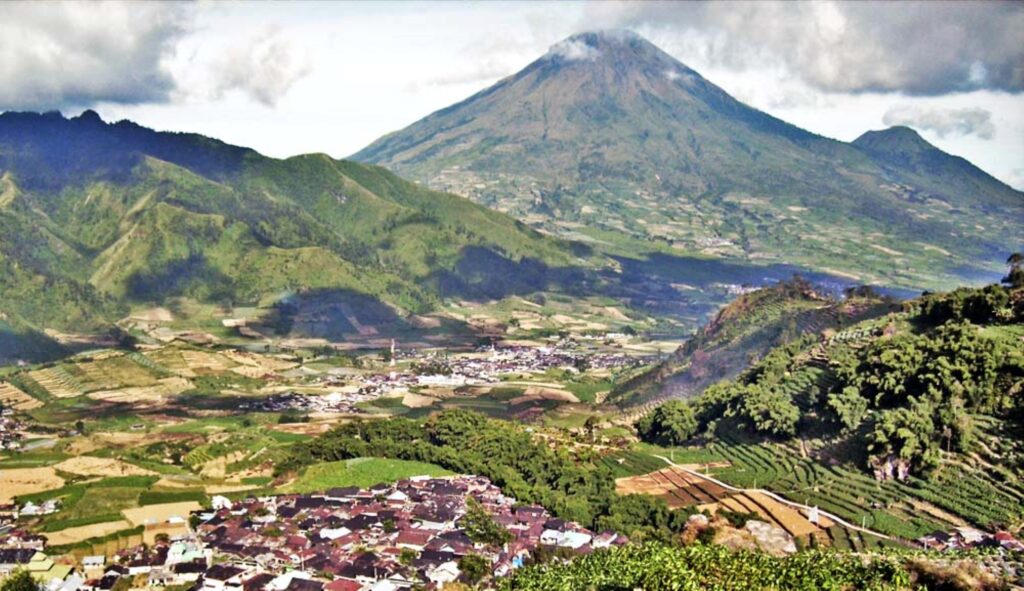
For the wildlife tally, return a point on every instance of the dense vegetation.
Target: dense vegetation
(95, 216)
(656, 567)
(897, 394)
(578, 489)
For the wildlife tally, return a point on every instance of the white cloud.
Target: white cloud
(943, 122)
(915, 48)
(573, 50)
(59, 54)
(264, 68)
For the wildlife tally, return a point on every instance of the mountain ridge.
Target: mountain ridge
(115, 214)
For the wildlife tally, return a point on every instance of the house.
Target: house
(445, 573)
(415, 539)
(223, 577)
(12, 559)
(343, 585)
(259, 582)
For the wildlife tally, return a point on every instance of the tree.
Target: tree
(481, 527)
(672, 423)
(849, 407)
(908, 433)
(1015, 278)
(770, 410)
(474, 568)
(406, 556)
(19, 580)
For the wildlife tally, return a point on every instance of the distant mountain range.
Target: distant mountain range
(98, 217)
(606, 132)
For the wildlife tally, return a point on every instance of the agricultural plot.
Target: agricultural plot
(160, 513)
(905, 510)
(93, 466)
(145, 395)
(361, 472)
(81, 533)
(12, 397)
(23, 481)
(678, 487)
(58, 382)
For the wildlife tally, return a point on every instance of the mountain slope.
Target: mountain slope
(743, 332)
(606, 131)
(97, 217)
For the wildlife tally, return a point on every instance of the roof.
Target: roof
(343, 585)
(16, 555)
(304, 585)
(222, 572)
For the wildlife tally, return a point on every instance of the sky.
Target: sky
(291, 78)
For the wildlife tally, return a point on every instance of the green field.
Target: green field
(361, 472)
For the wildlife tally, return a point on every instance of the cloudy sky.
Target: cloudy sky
(326, 77)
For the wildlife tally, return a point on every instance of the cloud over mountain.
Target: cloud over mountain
(943, 122)
(917, 48)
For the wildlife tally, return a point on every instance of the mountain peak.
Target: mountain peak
(898, 138)
(89, 116)
(611, 45)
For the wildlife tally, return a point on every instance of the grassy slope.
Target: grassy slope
(360, 472)
(82, 236)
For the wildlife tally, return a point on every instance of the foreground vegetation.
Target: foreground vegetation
(656, 567)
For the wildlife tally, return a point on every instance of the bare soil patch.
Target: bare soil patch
(73, 535)
(90, 466)
(159, 513)
(24, 481)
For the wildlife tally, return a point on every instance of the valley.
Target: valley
(597, 326)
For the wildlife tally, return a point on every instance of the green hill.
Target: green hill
(606, 134)
(744, 331)
(97, 217)
(935, 389)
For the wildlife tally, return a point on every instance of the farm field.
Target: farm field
(24, 481)
(12, 397)
(359, 472)
(953, 496)
(679, 487)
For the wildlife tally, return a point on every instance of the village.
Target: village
(484, 366)
(420, 532)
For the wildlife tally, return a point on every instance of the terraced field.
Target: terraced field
(682, 488)
(906, 510)
(12, 397)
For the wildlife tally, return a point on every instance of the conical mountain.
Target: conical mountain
(608, 132)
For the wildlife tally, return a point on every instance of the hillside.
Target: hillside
(743, 332)
(911, 417)
(606, 132)
(98, 218)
